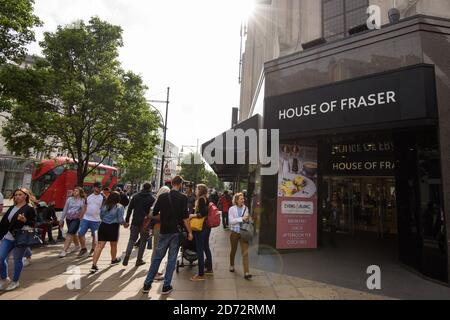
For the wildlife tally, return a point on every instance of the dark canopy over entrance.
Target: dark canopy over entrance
(234, 172)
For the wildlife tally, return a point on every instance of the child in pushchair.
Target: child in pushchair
(188, 252)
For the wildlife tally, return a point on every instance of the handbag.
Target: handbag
(247, 229)
(196, 224)
(28, 237)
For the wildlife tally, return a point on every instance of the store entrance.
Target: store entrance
(356, 205)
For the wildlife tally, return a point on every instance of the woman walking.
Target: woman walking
(111, 214)
(238, 214)
(22, 214)
(201, 238)
(74, 209)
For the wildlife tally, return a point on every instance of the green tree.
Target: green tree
(213, 181)
(139, 168)
(193, 168)
(77, 97)
(16, 24)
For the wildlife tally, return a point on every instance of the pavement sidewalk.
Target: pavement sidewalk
(47, 277)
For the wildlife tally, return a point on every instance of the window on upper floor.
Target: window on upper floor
(339, 16)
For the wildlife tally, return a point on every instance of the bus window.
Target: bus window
(40, 185)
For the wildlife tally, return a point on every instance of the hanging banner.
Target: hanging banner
(297, 197)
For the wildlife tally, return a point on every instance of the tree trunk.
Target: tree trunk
(80, 175)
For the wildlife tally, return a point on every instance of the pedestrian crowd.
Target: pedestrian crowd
(174, 219)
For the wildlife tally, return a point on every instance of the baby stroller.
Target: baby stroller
(188, 252)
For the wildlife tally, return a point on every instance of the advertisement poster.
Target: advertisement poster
(297, 197)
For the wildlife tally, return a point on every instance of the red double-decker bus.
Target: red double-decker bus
(54, 179)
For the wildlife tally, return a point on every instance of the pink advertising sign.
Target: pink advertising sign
(297, 198)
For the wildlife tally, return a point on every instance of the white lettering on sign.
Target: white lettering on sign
(362, 147)
(351, 103)
(297, 207)
(360, 166)
(374, 20)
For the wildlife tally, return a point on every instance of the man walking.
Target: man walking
(173, 211)
(91, 219)
(140, 207)
(225, 203)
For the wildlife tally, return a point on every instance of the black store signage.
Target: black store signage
(407, 94)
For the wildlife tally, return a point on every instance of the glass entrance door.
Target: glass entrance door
(363, 204)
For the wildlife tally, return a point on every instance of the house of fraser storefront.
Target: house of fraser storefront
(364, 148)
(360, 156)
(363, 155)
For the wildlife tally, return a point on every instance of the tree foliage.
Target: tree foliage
(213, 181)
(193, 168)
(16, 28)
(139, 168)
(191, 171)
(77, 97)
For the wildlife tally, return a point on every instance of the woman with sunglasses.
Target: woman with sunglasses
(20, 215)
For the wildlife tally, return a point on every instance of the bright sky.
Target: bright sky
(190, 46)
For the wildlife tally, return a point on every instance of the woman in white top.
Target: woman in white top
(237, 214)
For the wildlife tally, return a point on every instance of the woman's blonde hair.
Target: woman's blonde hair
(81, 191)
(162, 190)
(30, 198)
(203, 193)
(236, 198)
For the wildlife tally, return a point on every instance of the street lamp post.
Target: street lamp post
(165, 134)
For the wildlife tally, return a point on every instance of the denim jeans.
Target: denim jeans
(202, 244)
(6, 246)
(135, 232)
(166, 242)
(27, 254)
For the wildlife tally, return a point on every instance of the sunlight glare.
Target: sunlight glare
(247, 7)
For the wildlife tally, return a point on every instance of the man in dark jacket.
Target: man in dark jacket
(140, 207)
(171, 208)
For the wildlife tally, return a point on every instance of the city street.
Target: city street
(47, 276)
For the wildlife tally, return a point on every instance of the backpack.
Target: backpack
(213, 216)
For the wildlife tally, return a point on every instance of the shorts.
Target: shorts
(108, 232)
(85, 225)
(73, 226)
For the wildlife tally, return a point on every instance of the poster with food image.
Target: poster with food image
(297, 197)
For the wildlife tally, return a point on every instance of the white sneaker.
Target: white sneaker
(4, 283)
(62, 254)
(12, 286)
(26, 262)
